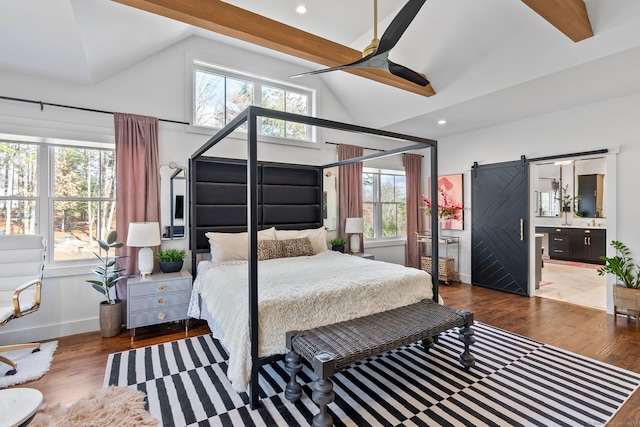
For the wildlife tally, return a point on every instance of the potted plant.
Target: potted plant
(171, 260)
(109, 274)
(337, 244)
(626, 293)
(567, 202)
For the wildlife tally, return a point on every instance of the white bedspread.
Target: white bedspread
(301, 293)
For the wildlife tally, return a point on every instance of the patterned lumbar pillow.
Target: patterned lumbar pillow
(295, 247)
(269, 249)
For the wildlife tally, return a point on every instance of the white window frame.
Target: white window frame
(258, 82)
(45, 190)
(377, 204)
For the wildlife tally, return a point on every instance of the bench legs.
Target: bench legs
(322, 390)
(323, 395)
(466, 336)
(293, 365)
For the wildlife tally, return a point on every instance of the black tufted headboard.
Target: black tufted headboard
(289, 197)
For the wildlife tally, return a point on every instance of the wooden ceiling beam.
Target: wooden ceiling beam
(232, 21)
(568, 16)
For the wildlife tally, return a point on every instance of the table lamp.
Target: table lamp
(354, 226)
(143, 235)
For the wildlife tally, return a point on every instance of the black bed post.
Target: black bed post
(252, 231)
(193, 232)
(435, 238)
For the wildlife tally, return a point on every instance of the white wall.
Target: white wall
(611, 124)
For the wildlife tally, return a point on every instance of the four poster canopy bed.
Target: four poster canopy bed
(270, 272)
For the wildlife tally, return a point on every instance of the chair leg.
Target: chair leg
(12, 347)
(13, 364)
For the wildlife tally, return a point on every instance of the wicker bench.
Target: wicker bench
(331, 348)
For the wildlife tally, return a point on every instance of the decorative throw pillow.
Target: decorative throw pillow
(317, 236)
(234, 246)
(295, 247)
(269, 249)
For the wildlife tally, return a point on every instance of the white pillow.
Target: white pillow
(317, 236)
(234, 246)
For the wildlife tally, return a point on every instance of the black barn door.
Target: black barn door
(499, 233)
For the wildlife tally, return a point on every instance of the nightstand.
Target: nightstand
(367, 256)
(159, 298)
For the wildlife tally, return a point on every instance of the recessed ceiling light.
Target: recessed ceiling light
(301, 9)
(442, 122)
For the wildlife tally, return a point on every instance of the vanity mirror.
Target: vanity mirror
(589, 176)
(582, 178)
(548, 190)
(173, 186)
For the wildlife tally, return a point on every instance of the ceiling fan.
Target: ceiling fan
(376, 54)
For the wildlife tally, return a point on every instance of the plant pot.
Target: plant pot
(339, 248)
(171, 266)
(626, 300)
(110, 318)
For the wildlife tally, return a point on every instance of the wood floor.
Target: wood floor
(79, 362)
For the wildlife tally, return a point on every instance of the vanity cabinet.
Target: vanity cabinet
(577, 244)
(560, 243)
(587, 245)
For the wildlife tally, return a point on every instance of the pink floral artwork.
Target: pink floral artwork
(450, 202)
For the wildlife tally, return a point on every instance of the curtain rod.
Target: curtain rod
(42, 104)
(365, 148)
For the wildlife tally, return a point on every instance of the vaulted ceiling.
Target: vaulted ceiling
(489, 61)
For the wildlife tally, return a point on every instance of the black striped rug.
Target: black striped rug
(516, 381)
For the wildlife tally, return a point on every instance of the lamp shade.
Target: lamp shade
(143, 234)
(354, 225)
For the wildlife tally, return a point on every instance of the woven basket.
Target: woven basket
(446, 268)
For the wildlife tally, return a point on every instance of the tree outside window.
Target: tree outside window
(18, 188)
(384, 203)
(75, 200)
(219, 96)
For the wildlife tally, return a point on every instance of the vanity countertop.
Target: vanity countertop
(572, 226)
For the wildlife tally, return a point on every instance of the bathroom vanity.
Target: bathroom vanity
(576, 243)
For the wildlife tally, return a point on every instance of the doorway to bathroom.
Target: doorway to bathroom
(570, 219)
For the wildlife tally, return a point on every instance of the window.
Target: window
(220, 95)
(66, 193)
(384, 198)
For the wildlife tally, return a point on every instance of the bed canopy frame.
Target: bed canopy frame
(262, 188)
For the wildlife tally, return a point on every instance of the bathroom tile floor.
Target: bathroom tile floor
(573, 283)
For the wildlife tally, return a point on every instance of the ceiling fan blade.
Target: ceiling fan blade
(360, 63)
(407, 74)
(399, 25)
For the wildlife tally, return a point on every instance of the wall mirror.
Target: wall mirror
(548, 190)
(330, 199)
(589, 178)
(173, 188)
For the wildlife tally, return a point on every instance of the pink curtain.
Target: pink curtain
(349, 189)
(413, 171)
(138, 183)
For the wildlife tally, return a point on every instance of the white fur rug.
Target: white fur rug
(31, 366)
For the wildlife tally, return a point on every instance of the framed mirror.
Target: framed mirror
(547, 190)
(589, 178)
(330, 199)
(173, 188)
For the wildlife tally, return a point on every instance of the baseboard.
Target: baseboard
(49, 332)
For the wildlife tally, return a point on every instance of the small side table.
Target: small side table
(367, 256)
(18, 405)
(159, 298)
